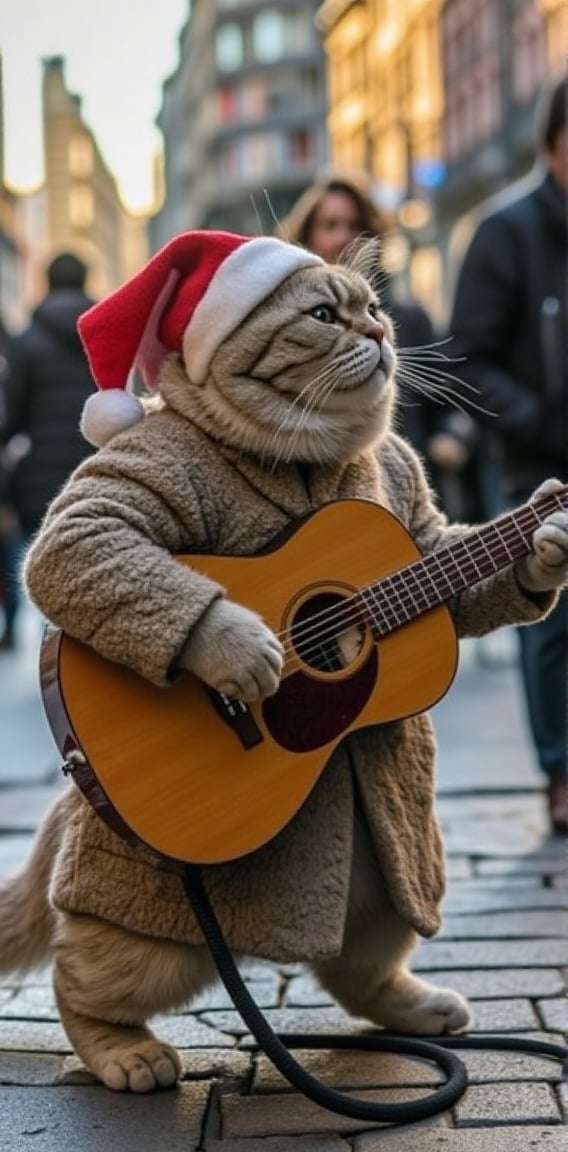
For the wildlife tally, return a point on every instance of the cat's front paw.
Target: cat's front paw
(143, 1067)
(232, 650)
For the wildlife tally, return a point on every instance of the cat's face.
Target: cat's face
(308, 376)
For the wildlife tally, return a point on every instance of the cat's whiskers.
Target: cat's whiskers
(433, 369)
(433, 384)
(277, 434)
(319, 389)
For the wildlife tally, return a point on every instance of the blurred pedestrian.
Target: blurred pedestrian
(44, 390)
(328, 217)
(509, 322)
(9, 534)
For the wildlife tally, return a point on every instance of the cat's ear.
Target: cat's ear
(364, 255)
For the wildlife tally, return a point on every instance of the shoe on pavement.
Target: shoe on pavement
(558, 806)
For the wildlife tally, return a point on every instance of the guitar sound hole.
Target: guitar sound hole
(327, 643)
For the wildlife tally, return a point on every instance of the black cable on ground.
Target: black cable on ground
(277, 1046)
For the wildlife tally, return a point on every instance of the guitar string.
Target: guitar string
(466, 544)
(395, 609)
(349, 613)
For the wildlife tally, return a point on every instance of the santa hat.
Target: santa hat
(188, 298)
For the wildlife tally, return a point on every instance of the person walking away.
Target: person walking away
(44, 390)
(329, 216)
(9, 533)
(509, 322)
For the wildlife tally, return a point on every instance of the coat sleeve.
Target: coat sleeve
(491, 603)
(103, 566)
(483, 325)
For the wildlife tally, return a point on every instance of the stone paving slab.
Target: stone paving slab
(517, 1103)
(554, 1013)
(289, 1113)
(304, 990)
(514, 1015)
(490, 954)
(551, 863)
(328, 1143)
(459, 867)
(32, 1036)
(349, 1070)
(500, 982)
(506, 1139)
(498, 839)
(464, 898)
(505, 925)
(88, 1119)
(325, 1019)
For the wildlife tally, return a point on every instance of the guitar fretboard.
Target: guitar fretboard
(431, 581)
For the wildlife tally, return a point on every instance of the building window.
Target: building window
(229, 49)
(80, 156)
(229, 162)
(81, 207)
(227, 105)
(268, 36)
(301, 146)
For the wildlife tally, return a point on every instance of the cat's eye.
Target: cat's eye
(324, 313)
(373, 310)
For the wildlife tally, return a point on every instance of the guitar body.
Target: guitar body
(202, 779)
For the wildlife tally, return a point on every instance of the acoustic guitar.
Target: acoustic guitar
(201, 778)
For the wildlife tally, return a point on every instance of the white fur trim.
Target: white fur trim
(109, 412)
(242, 281)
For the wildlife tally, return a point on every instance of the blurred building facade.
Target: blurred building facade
(11, 241)
(436, 99)
(243, 116)
(76, 208)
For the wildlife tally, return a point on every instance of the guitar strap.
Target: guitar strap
(278, 1046)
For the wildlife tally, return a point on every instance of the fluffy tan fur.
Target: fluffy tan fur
(294, 413)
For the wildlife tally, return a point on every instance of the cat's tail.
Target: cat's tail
(26, 917)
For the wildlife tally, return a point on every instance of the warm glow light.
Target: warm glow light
(116, 59)
(350, 112)
(415, 214)
(385, 39)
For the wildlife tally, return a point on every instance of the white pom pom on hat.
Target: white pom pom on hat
(106, 413)
(187, 299)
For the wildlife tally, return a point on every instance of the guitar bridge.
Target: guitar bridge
(238, 716)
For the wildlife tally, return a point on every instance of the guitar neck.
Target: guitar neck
(410, 592)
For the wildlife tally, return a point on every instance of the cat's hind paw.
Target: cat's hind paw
(144, 1067)
(432, 1012)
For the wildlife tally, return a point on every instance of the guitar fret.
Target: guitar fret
(385, 626)
(426, 583)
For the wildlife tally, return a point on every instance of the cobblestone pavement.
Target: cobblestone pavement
(503, 943)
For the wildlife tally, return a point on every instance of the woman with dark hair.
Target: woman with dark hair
(329, 216)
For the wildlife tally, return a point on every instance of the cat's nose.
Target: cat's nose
(377, 332)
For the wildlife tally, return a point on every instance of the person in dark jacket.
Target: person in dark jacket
(327, 218)
(509, 322)
(45, 388)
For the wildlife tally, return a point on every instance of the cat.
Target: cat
(294, 409)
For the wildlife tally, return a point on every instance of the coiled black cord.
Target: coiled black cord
(277, 1046)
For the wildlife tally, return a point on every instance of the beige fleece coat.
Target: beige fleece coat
(102, 569)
